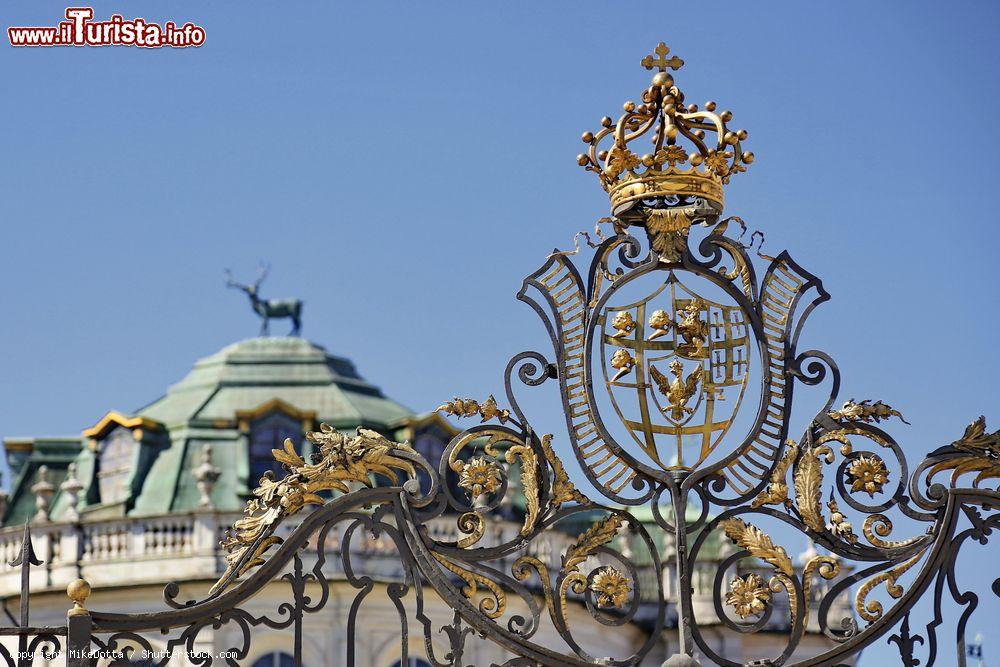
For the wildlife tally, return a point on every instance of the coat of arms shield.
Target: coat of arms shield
(676, 367)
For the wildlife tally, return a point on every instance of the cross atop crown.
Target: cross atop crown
(661, 61)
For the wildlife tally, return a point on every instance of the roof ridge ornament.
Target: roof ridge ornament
(637, 178)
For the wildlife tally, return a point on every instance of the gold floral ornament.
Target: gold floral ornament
(467, 407)
(611, 587)
(718, 163)
(623, 362)
(866, 411)
(480, 476)
(339, 459)
(585, 546)
(670, 155)
(623, 324)
(868, 474)
(620, 159)
(748, 595)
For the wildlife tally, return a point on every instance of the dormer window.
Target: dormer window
(267, 433)
(116, 458)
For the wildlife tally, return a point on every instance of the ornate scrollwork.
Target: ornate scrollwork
(341, 459)
(677, 358)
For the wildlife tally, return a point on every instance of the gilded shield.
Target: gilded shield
(676, 367)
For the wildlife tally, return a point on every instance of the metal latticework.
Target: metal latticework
(675, 350)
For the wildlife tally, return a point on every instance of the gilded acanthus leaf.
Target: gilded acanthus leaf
(776, 492)
(529, 483)
(758, 543)
(340, 459)
(980, 454)
(865, 411)
(597, 535)
(977, 441)
(668, 229)
(468, 407)
(563, 490)
(808, 477)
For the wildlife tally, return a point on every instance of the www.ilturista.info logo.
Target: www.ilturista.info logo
(81, 30)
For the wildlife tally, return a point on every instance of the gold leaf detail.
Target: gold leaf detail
(840, 526)
(878, 526)
(474, 526)
(340, 459)
(597, 535)
(868, 474)
(758, 543)
(468, 407)
(982, 455)
(529, 483)
(808, 478)
(563, 490)
(777, 489)
(840, 435)
(480, 476)
(865, 411)
(494, 604)
(828, 567)
(872, 611)
(521, 569)
(668, 232)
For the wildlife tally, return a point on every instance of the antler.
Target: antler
(231, 282)
(262, 272)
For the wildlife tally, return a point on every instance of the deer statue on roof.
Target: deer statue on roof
(269, 309)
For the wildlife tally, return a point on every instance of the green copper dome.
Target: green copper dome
(141, 463)
(247, 375)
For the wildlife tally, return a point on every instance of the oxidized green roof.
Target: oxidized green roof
(248, 374)
(242, 381)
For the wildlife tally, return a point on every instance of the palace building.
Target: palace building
(141, 499)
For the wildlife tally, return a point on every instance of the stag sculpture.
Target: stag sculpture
(269, 309)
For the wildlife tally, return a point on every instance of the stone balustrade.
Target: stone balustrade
(185, 547)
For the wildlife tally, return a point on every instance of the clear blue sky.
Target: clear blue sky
(403, 165)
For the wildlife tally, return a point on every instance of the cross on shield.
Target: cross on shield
(676, 367)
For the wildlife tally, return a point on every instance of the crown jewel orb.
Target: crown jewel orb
(678, 181)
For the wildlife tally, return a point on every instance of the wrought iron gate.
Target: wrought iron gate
(677, 357)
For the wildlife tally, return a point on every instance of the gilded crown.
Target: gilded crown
(685, 159)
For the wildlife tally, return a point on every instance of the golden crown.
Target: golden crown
(630, 176)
